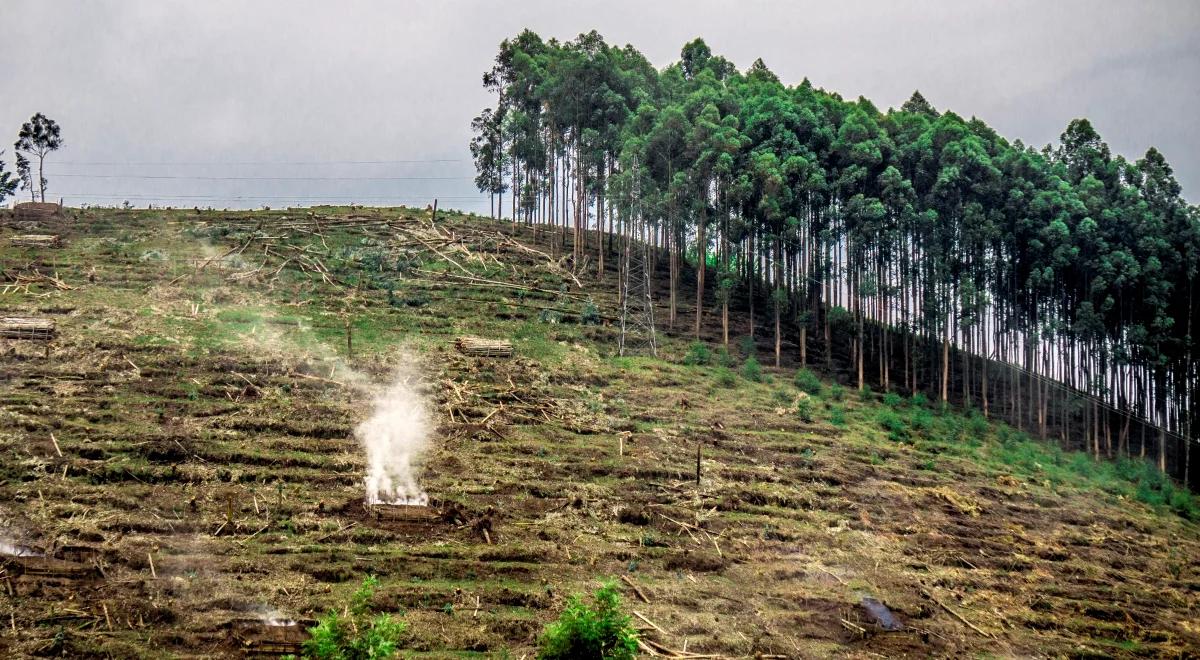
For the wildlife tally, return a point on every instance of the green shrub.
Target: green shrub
(354, 635)
(752, 370)
(725, 377)
(807, 381)
(921, 420)
(804, 409)
(919, 400)
(892, 423)
(866, 393)
(726, 359)
(892, 400)
(837, 392)
(837, 416)
(746, 346)
(590, 314)
(782, 396)
(698, 354)
(603, 632)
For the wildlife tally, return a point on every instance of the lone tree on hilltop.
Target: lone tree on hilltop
(38, 137)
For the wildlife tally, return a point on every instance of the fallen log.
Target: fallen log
(36, 240)
(477, 347)
(13, 327)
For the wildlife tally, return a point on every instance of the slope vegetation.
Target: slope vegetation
(193, 425)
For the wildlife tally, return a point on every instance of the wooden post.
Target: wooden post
(697, 463)
(349, 341)
(433, 219)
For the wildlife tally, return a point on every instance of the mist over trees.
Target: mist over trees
(924, 237)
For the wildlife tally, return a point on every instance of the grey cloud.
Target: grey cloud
(224, 81)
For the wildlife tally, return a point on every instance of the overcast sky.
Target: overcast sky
(245, 103)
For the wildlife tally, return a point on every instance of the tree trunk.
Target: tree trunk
(701, 250)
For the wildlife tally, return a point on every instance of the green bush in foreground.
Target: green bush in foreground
(354, 635)
(584, 633)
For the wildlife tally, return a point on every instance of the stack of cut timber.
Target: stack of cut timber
(484, 347)
(14, 327)
(36, 210)
(36, 240)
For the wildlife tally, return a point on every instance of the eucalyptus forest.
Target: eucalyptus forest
(914, 249)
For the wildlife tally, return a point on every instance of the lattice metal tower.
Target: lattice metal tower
(637, 300)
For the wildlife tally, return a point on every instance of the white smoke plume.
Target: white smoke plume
(395, 437)
(14, 550)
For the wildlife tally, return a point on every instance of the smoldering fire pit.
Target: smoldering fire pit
(403, 513)
(403, 518)
(73, 564)
(271, 637)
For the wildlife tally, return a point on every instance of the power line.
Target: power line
(140, 196)
(260, 178)
(264, 162)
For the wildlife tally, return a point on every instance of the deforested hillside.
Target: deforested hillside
(242, 417)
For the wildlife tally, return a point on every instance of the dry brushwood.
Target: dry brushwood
(477, 347)
(14, 327)
(36, 240)
(36, 210)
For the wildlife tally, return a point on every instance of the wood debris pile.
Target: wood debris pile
(479, 347)
(20, 282)
(16, 327)
(36, 240)
(481, 403)
(36, 210)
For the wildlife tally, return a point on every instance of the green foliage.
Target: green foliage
(725, 359)
(590, 314)
(837, 416)
(976, 427)
(921, 420)
(893, 400)
(805, 409)
(747, 346)
(699, 354)
(355, 635)
(807, 381)
(752, 370)
(582, 632)
(725, 377)
(837, 392)
(893, 423)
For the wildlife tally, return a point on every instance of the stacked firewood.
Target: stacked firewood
(15, 327)
(36, 240)
(477, 347)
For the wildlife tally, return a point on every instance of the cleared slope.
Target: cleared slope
(200, 430)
